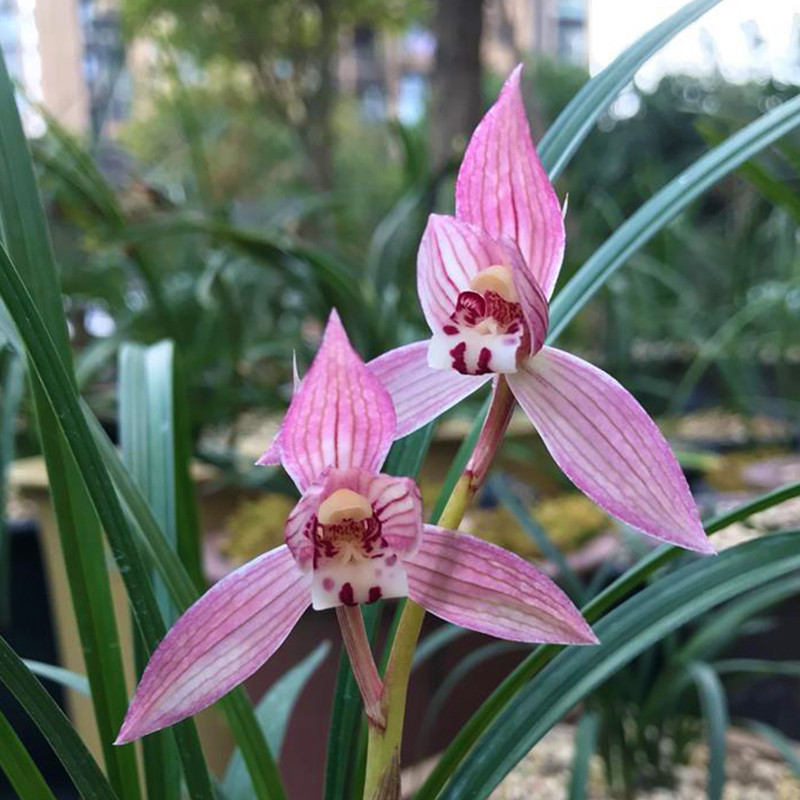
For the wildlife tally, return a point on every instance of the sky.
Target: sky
(747, 38)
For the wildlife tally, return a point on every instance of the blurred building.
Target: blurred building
(68, 56)
(389, 74)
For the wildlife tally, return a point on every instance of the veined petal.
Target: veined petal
(420, 393)
(503, 188)
(451, 253)
(608, 446)
(221, 640)
(341, 415)
(272, 455)
(481, 586)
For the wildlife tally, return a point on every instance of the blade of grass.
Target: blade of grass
(25, 234)
(507, 497)
(19, 767)
(592, 611)
(665, 205)
(624, 633)
(585, 742)
(146, 425)
(785, 746)
(241, 717)
(274, 712)
(49, 718)
(13, 381)
(63, 677)
(576, 121)
(715, 714)
(59, 390)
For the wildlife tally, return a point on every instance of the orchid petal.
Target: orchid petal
(608, 446)
(503, 188)
(272, 455)
(221, 640)
(420, 393)
(485, 588)
(341, 415)
(396, 502)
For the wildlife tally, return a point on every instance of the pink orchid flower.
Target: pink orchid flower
(355, 536)
(484, 280)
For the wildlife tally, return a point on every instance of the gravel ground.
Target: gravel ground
(754, 772)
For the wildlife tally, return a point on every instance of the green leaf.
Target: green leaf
(585, 742)
(785, 746)
(147, 438)
(49, 718)
(455, 676)
(436, 641)
(506, 496)
(183, 593)
(623, 586)
(13, 382)
(664, 206)
(576, 121)
(25, 235)
(715, 714)
(757, 666)
(624, 633)
(273, 713)
(63, 677)
(59, 389)
(19, 767)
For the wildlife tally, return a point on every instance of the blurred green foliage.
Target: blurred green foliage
(220, 237)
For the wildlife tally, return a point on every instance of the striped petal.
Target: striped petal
(341, 415)
(503, 188)
(608, 446)
(272, 455)
(396, 503)
(420, 393)
(219, 642)
(485, 588)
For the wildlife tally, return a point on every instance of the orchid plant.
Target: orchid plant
(356, 535)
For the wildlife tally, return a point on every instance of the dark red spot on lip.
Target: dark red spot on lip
(450, 330)
(346, 595)
(483, 361)
(457, 354)
(375, 594)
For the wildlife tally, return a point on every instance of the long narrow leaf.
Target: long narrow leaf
(62, 398)
(25, 234)
(625, 632)
(622, 587)
(785, 746)
(49, 718)
(585, 741)
(19, 767)
(274, 712)
(715, 713)
(183, 593)
(663, 207)
(63, 677)
(575, 122)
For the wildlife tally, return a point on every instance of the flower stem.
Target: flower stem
(384, 745)
(362, 662)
